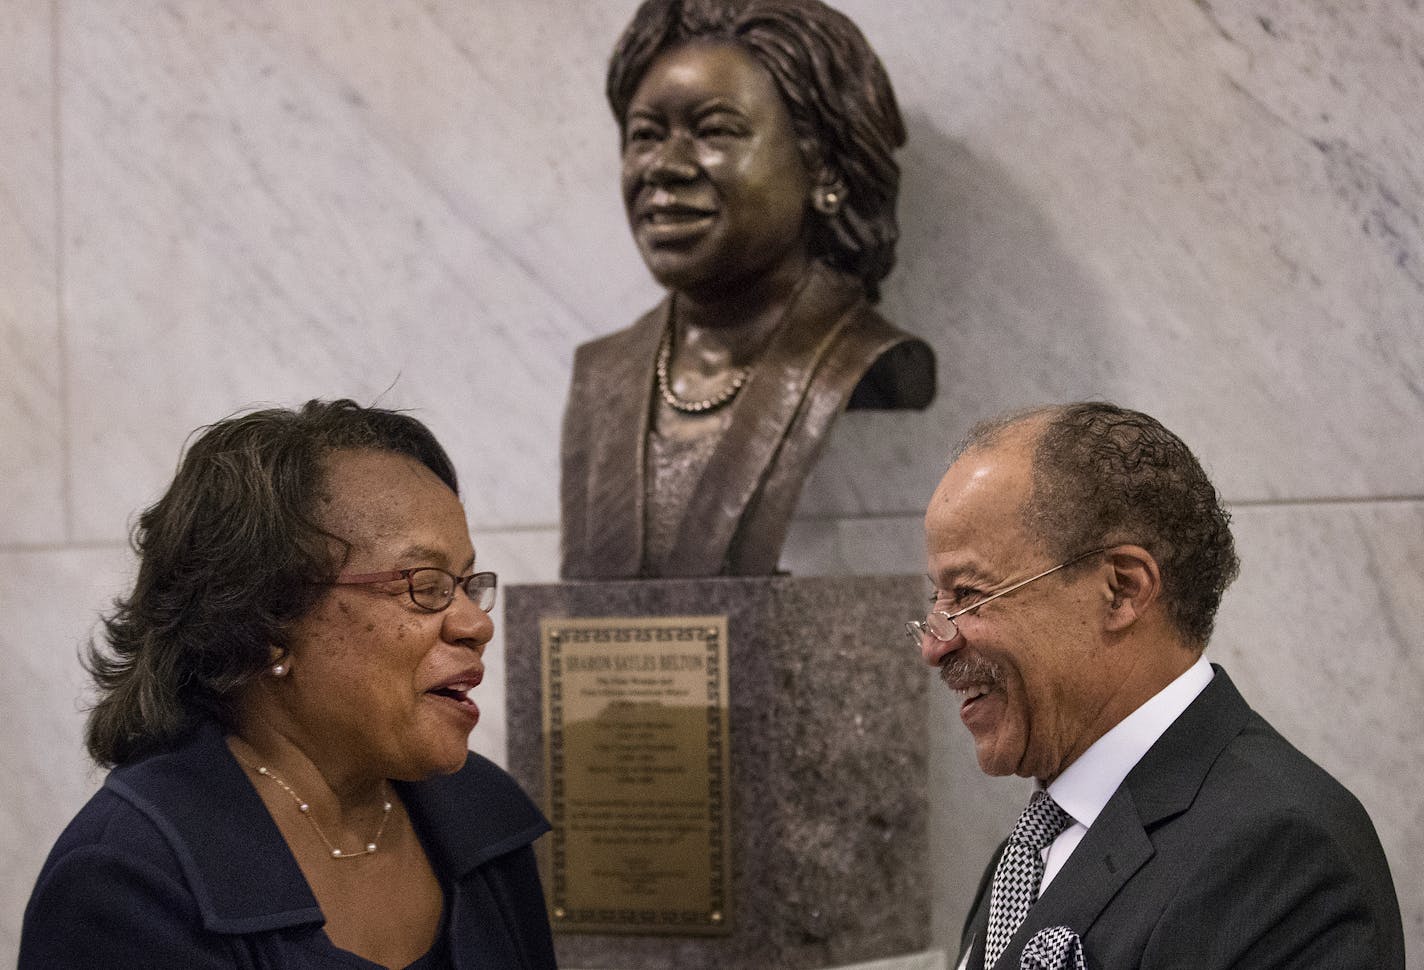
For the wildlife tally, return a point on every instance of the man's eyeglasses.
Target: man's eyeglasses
(940, 624)
(431, 588)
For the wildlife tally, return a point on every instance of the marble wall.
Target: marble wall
(1207, 210)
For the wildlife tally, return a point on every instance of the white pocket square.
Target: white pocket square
(1054, 948)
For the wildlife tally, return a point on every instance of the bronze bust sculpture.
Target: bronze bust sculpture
(758, 178)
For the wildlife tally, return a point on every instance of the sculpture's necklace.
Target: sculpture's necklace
(725, 396)
(305, 808)
(682, 404)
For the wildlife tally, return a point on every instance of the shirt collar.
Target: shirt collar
(1085, 786)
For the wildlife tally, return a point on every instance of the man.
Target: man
(1078, 555)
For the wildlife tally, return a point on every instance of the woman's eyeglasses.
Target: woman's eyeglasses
(431, 588)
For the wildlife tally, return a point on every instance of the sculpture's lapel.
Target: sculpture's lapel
(761, 417)
(735, 519)
(604, 460)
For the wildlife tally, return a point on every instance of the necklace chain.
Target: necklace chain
(682, 404)
(304, 807)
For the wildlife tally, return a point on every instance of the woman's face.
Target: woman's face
(373, 681)
(714, 185)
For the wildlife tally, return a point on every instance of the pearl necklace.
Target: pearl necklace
(305, 808)
(682, 404)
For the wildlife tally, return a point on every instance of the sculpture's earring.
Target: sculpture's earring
(827, 199)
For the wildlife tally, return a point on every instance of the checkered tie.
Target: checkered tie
(1021, 870)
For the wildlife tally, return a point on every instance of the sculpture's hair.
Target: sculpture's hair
(836, 90)
(226, 562)
(1104, 475)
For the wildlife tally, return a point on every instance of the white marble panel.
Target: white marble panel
(1212, 216)
(870, 546)
(31, 405)
(51, 602)
(272, 201)
(1322, 633)
(502, 106)
(1211, 220)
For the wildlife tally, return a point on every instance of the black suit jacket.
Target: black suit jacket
(1224, 847)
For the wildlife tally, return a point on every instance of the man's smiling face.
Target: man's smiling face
(1031, 675)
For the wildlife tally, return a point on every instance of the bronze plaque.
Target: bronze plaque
(638, 774)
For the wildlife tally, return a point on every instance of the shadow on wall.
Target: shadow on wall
(1014, 316)
(1015, 319)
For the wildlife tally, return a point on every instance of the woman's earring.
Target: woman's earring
(279, 670)
(827, 201)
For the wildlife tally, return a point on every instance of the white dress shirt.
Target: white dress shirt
(1086, 785)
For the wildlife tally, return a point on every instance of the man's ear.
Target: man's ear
(1135, 582)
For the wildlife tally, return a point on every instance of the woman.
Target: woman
(759, 184)
(283, 698)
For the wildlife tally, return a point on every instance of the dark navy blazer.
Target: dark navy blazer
(176, 863)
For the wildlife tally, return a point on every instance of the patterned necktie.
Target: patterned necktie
(1020, 871)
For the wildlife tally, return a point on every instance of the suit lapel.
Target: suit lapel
(1170, 774)
(1163, 784)
(1112, 852)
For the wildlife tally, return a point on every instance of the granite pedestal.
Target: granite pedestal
(829, 760)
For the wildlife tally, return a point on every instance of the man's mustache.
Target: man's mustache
(959, 672)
